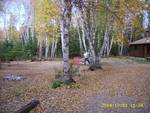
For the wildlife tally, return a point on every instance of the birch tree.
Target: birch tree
(108, 38)
(66, 9)
(88, 22)
(45, 15)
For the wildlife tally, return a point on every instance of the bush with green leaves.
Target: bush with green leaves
(67, 84)
(56, 84)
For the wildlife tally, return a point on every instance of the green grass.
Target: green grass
(138, 60)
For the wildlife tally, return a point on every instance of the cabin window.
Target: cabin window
(148, 49)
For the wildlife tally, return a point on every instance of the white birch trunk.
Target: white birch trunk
(66, 9)
(120, 49)
(90, 39)
(52, 46)
(111, 43)
(83, 31)
(52, 49)
(93, 14)
(106, 47)
(46, 47)
(81, 9)
(55, 47)
(80, 42)
(104, 44)
(40, 50)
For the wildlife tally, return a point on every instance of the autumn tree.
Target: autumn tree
(45, 25)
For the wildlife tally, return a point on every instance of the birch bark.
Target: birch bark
(46, 47)
(66, 8)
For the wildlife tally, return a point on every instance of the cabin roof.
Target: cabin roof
(141, 41)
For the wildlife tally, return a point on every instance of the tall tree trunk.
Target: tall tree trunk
(107, 44)
(66, 8)
(90, 38)
(104, 43)
(81, 4)
(52, 49)
(55, 47)
(40, 50)
(90, 31)
(46, 47)
(95, 58)
(25, 35)
(107, 37)
(80, 41)
(83, 31)
(111, 43)
(120, 49)
(93, 29)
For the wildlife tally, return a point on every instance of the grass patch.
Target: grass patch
(18, 92)
(68, 85)
(138, 60)
(74, 71)
(56, 84)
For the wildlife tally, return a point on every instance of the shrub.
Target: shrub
(10, 50)
(74, 71)
(67, 83)
(56, 84)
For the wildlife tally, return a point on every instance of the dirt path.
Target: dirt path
(120, 82)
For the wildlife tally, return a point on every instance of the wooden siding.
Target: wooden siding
(141, 50)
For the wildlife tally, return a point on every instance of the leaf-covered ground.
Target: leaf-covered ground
(120, 81)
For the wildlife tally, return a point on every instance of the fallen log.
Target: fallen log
(27, 108)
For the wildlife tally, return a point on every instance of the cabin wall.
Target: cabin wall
(147, 50)
(136, 50)
(142, 50)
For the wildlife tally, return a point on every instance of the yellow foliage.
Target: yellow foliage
(45, 13)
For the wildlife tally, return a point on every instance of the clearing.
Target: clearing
(122, 81)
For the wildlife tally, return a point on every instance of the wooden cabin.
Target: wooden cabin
(140, 48)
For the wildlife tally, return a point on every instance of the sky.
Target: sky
(18, 12)
(145, 19)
